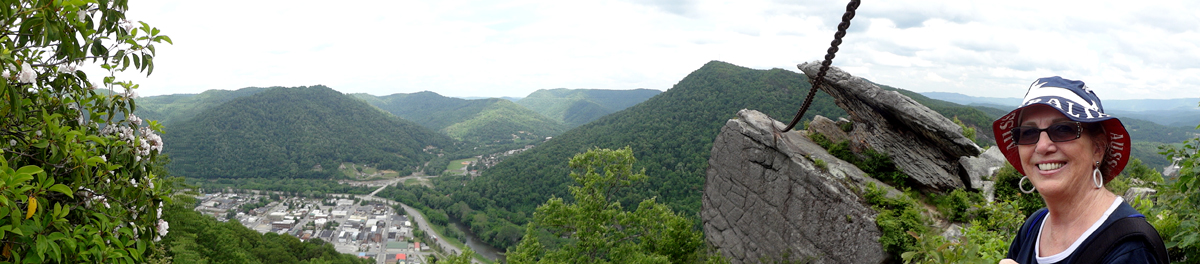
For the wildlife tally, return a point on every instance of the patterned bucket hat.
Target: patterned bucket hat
(1077, 103)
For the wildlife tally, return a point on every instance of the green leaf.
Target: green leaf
(30, 170)
(63, 189)
(93, 160)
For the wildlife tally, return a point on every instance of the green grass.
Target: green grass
(457, 164)
(411, 182)
(368, 172)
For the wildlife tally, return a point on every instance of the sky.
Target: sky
(1121, 49)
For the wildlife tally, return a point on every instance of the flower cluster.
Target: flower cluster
(24, 75)
(150, 141)
(162, 228)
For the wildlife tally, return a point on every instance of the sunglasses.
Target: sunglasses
(1058, 132)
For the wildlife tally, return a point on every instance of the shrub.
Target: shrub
(898, 219)
(958, 205)
(1007, 190)
(820, 164)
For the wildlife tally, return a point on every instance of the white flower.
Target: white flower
(104, 158)
(27, 75)
(38, 133)
(162, 228)
(135, 120)
(159, 212)
(134, 182)
(66, 68)
(81, 14)
(130, 93)
(12, 142)
(6, 74)
(127, 25)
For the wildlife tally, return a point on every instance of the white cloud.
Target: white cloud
(511, 48)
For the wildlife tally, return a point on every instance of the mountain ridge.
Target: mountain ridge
(301, 132)
(482, 120)
(575, 107)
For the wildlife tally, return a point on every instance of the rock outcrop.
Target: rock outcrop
(771, 195)
(832, 131)
(981, 169)
(923, 143)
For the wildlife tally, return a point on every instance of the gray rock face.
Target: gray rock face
(768, 196)
(983, 167)
(830, 129)
(922, 143)
(1138, 192)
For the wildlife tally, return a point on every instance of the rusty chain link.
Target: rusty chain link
(833, 49)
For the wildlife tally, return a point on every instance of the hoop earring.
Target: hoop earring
(1022, 186)
(1096, 178)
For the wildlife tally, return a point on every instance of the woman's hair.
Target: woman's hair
(1097, 133)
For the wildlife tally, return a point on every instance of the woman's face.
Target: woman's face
(1057, 168)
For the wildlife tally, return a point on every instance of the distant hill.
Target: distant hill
(576, 107)
(303, 132)
(510, 98)
(482, 120)
(170, 109)
(1182, 112)
(967, 99)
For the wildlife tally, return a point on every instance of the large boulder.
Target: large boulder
(923, 143)
(771, 195)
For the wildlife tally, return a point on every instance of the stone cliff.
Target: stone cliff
(770, 195)
(766, 197)
(923, 143)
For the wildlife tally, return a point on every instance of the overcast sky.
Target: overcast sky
(1121, 49)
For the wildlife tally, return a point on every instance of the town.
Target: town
(368, 229)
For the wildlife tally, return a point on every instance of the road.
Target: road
(419, 220)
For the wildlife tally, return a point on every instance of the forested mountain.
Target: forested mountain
(482, 120)
(171, 109)
(303, 132)
(576, 107)
(671, 135)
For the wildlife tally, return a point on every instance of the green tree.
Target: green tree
(599, 229)
(81, 175)
(1176, 216)
(464, 258)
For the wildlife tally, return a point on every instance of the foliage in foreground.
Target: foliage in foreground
(598, 229)
(1175, 214)
(80, 176)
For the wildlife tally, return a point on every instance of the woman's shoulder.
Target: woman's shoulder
(1128, 248)
(1132, 251)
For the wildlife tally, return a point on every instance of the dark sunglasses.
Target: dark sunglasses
(1058, 132)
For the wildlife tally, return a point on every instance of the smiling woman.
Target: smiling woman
(1068, 148)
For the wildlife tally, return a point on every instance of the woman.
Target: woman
(1068, 148)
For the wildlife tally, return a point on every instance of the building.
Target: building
(283, 224)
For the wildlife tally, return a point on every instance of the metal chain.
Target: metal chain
(833, 49)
